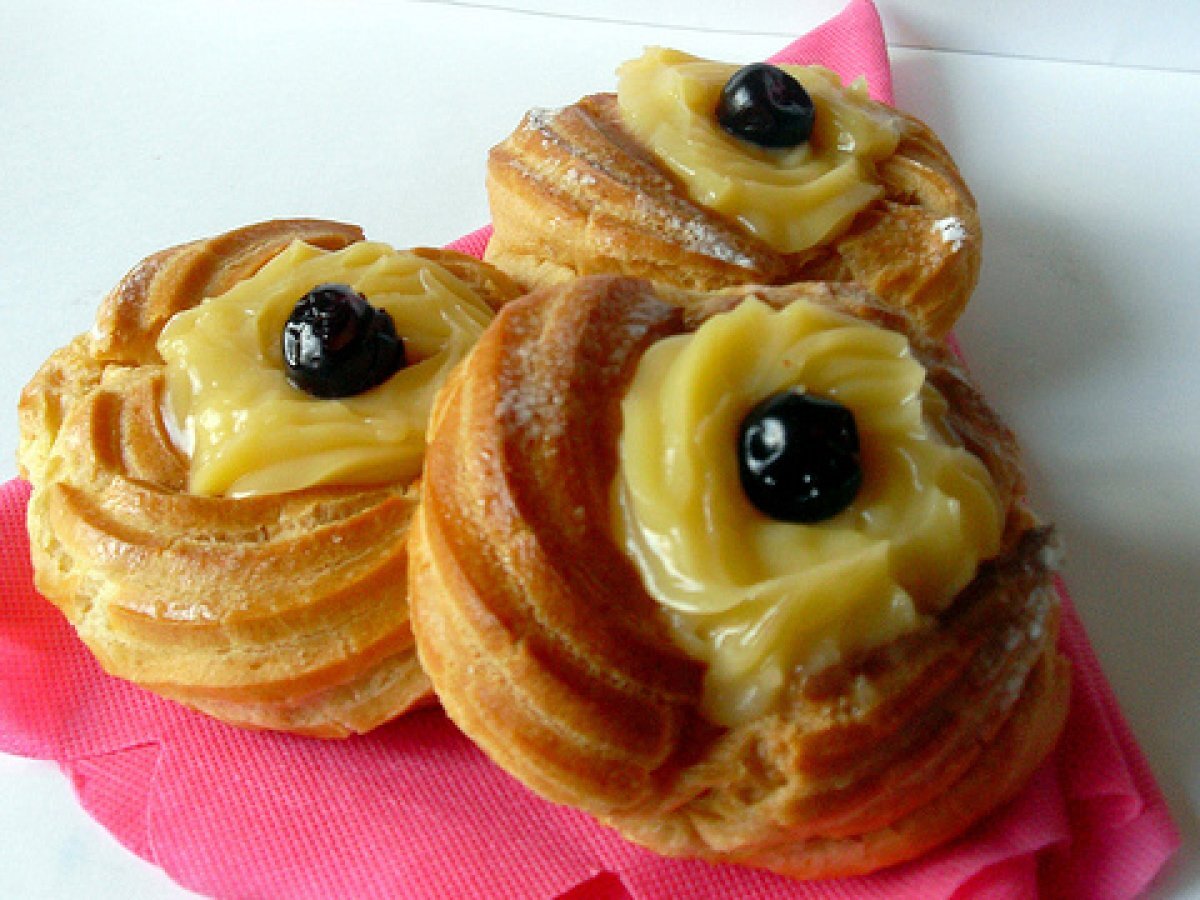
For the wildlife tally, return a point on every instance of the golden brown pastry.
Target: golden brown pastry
(282, 610)
(606, 186)
(875, 723)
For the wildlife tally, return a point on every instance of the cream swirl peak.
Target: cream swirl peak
(758, 599)
(792, 198)
(252, 432)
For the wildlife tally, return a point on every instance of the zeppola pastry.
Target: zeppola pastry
(224, 469)
(705, 176)
(747, 575)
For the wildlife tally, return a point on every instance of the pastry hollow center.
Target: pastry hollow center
(248, 431)
(761, 600)
(793, 199)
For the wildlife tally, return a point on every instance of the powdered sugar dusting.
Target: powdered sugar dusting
(540, 117)
(582, 179)
(527, 404)
(952, 231)
(534, 412)
(703, 239)
(698, 235)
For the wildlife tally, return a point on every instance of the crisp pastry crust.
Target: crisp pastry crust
(572, 192)
(544, 646)
(284, 611)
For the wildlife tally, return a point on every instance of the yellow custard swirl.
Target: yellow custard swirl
(249, 431)
(794, 198)
(759, 599)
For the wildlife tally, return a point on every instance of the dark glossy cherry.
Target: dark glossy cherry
(336, 344)
(765, 105)
(798, 457)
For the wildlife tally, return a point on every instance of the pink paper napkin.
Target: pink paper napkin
(414, 809)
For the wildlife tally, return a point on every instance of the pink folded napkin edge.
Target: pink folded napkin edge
(414, 809)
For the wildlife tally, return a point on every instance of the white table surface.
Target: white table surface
(129, 125)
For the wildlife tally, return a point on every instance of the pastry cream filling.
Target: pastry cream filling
(757, 599)
(791, 198)
(251, 432)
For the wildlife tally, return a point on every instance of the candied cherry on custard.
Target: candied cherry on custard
(766, 106)
(798, 457)
(336, 344)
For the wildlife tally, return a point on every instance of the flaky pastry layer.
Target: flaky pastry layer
(544, 646)
(284, 612)
(572, 192)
